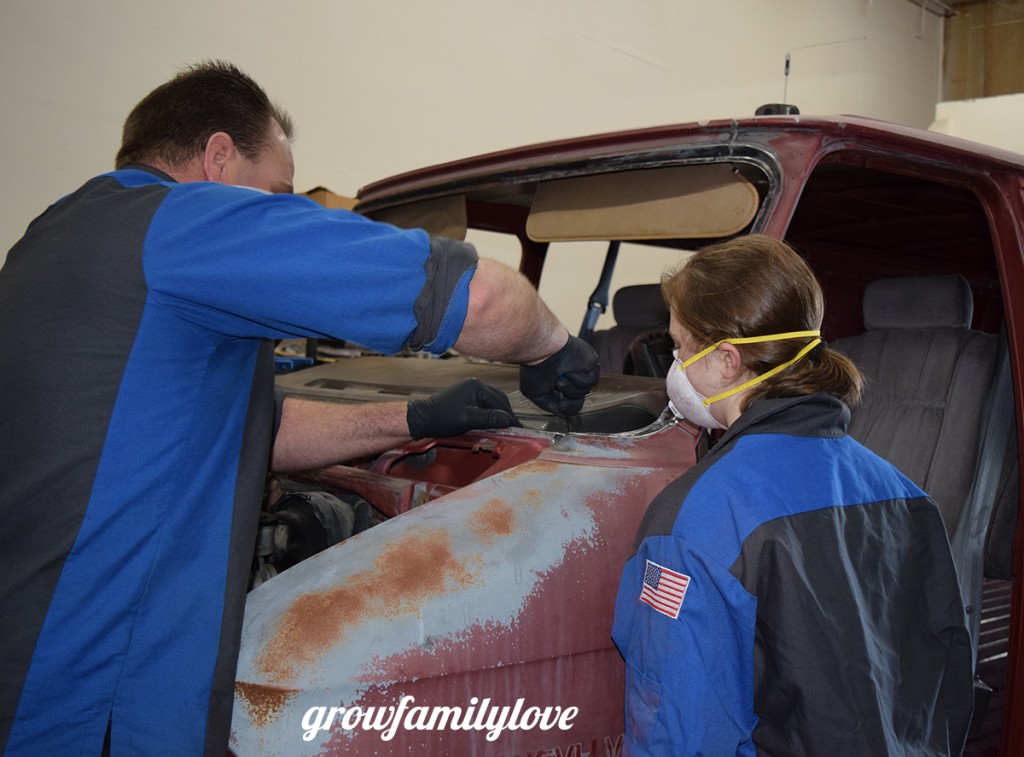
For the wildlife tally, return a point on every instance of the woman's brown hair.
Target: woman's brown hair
(755, 286)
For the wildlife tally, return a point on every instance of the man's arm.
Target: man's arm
(314, 433)
(506, 319)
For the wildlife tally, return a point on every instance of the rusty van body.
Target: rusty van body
(489, 575)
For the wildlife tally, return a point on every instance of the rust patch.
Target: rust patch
(418, 567)
(495, 518)
(532, 468)
(533, 497)
(263, 703)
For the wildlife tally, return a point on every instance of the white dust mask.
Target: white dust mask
(687, 403)
(684, 401)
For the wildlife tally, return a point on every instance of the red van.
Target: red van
(475, 594)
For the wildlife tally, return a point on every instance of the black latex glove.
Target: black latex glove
(559, 383)
(460, 408)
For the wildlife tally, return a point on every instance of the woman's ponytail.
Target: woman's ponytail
(827, 371)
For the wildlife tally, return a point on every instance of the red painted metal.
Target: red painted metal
(502, 589)
(764, 129)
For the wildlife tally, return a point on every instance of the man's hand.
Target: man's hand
(559, 383)
(465, 406)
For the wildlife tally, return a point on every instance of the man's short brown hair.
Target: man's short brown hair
(172, 123)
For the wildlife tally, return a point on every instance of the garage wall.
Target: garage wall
(992, 121)
(380, 87)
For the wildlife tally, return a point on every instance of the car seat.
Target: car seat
(650, 354)
(938, 404)
(638, 309)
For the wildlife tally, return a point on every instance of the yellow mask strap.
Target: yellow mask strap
(767, 374)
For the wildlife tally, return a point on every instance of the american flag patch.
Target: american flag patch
(664, 589)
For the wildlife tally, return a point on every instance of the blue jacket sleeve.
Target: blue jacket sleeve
(247, 264)
(689, 679)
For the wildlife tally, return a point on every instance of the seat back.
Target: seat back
(928, 403)
(651, 354)
(638, 309)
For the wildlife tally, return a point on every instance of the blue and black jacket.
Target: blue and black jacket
(136, 420)
(793, 594)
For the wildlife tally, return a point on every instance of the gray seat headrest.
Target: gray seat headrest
(918, 302)
(640, 306)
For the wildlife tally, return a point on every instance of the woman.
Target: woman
(793, 593)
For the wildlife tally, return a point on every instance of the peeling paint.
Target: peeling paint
(404, 575)
(501, 586)
(495, 518)
(263, 703)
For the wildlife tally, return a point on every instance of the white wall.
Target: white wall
(380, 87)
(995, 121)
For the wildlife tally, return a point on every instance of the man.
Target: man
(137, 415)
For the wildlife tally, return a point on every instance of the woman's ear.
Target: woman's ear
(732, 361)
